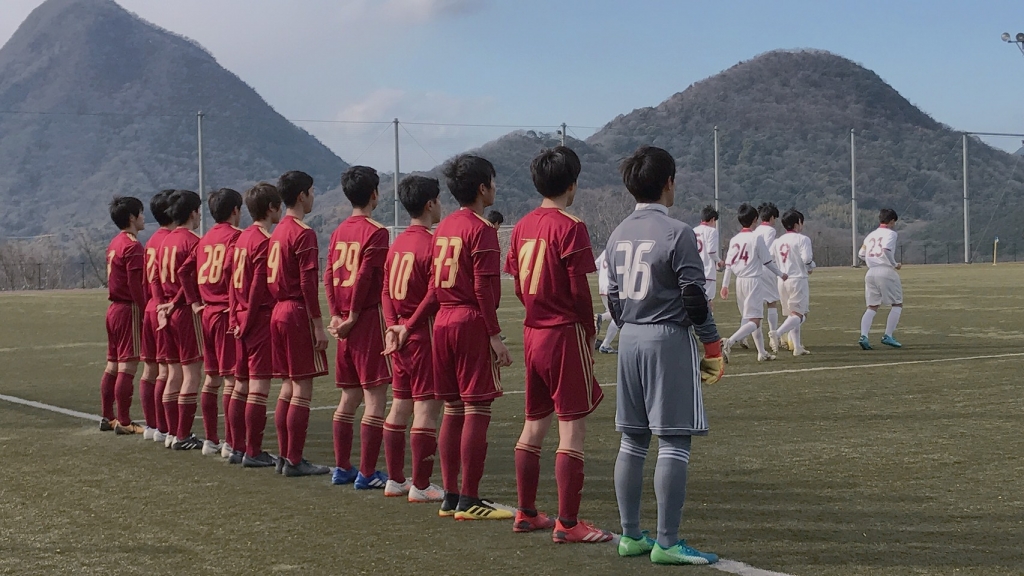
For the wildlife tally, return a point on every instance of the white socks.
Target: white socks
(773, 318)
(746, 329)
(609, 335)
(759, 342)
(791, 323)
(865, 321)
(893, 319)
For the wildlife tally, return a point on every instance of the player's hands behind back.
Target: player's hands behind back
(712, 365)
(502, 356)
(394, 339)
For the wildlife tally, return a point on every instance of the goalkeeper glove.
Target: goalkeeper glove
(712, 365)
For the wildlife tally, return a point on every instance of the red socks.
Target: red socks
(281, 424)
(474, 447)
(424, 446)
(158, 405)
(148, 402)
(527, 474)
(449, 445)
(371, 433)
(208, 400)
(124, 387)
(171, 411)
(250, 417)
(342, 425)
(107, 384)
(298, 422)
(394, 451)
(186, 414)
(569, 477)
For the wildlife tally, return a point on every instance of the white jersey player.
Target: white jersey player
(605, 346)
(882, 284)
(707, 245)
(794, 257)
(747, 259)
(768, 214)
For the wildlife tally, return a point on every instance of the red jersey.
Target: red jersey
(467, 261)
(125, 270)
(153, 289)
(213, 259)
(407, 271)
(292, 264)
(355, 265)
(178, 246)
(548, 248)
(249, 270)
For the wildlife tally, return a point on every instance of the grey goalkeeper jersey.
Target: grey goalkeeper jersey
(651, 258)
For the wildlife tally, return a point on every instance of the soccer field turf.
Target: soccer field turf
(844, 462)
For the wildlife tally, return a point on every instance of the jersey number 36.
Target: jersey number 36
(634, 273)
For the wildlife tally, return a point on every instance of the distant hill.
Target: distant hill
(94, 101)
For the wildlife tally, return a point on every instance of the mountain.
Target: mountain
(94, 101)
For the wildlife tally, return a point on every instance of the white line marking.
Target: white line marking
(734, 567)
(54, 346)
(57, 409)
(876, 365)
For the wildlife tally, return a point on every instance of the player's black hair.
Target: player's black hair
(791, 218)
(708, 213)
(555, 170)
(647, 172)
(746, 214)
(415, 191)
(123, 208)
(292, 184)
(223, 203)
(767, 211)
(158, 207)
(358, 184)
(886, 215)
(495, 217)
(464, 174)
(260, 199)
(182, 204)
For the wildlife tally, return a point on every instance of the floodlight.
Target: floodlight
(1005, 36)
(1020, 36)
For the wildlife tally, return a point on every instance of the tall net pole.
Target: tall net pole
(853, 197)
(202, 176)
(716, 178)
(967, 218)
(394, 233)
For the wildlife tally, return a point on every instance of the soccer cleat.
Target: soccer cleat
(226, 451)
(279, 462)
(745, 344)
(211, 449)
(726, 349)
(766, 357)
(107, 425)
(477, 509)
(636, 546)
(304, 468)
(526, 523)
(597, 321)
(773, 341)
(262, 460)
(582, 532)
(607, 350)
(890, 341)
(237, 456)
(801, 352)
(864, 344)
(374, 481)
(680, 554)
(129, 428)
(448, 505)
(395, 489)
(169, 440)
(190, 443)
(148, 433)
(432, 493)
(159, 436)
(342, 476)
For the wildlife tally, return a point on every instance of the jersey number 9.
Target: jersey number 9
(273, 262)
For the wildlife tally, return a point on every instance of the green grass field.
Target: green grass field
(841, 463)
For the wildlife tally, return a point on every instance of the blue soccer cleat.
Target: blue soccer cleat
(864, 344)
(376, 481)
(890, 341)
(342, 476)
(681, 554)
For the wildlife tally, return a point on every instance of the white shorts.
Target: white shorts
(882, 287)
(794, 296)
(769, 286)
(710, 286)
(750, 298)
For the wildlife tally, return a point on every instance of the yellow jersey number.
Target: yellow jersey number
(110, 262)
(401, 271)
(238, 268)
(446, 263)
(346, 255)
(212, 269)
(273, 262)
(169, 265)
(531, 263)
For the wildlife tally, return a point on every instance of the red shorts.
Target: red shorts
(218, 345)
(359, 360)
(184, 336)
(559, 373)
(464, 364)
(148, 352)
(253, 356)
(292, 340)
(124, 332)
(414, 366)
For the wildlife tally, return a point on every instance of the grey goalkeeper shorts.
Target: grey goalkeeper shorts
(659, 387)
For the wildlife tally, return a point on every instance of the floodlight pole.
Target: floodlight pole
(394, 233)
(563, 133)
(716, 177)
(967, 217)
(853, 197)
(202, 184)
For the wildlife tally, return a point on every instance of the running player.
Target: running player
(154, 369)
(657, 297)
(605, 347)
(549, 258)
(769, 213)
(468, 351)
(183, 332)
(747, 259)
(794, 257)
(707, 245)
(297, 334)
(354, 278)
(882, 284)
(213, 265)
(251, 306)
(407, 278)
(126, 265)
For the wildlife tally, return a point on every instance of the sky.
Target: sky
(533, 64)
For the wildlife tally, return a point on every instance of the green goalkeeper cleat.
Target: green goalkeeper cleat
(635, 546)
(681, 554)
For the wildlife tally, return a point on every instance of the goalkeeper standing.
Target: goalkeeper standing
(656, 296)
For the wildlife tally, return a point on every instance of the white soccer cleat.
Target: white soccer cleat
(211, 449)
(395, 489)
(225, 450)
(801, 352)
(432, 493)
(159, 436)
(147, 434)
(766, 357)
(726, 349)
(773, 341)
(169, 441)
(745, 343)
